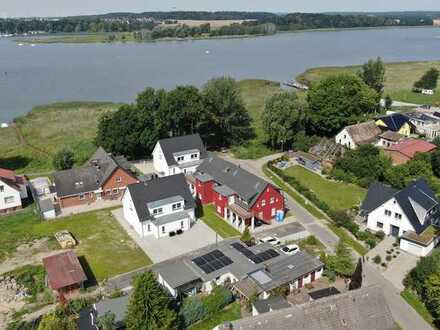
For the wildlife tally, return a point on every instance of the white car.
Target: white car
(271, 240)
(290, 249)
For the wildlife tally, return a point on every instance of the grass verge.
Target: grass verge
(340, 232)
(230, 313)
(103, 245)
(219, 225)
(418, 306)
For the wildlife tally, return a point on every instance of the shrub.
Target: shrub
(380, 235)
(395, 244)
(330, 274)
(63, 159)
(193, 310)
(388, 258)
(371, 243)
(384, 264)
(389, 252)
(377, 259)
(217, 300)
(394, 256)
(311, 240)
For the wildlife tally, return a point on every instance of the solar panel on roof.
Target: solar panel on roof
(217, 254)
(216, 264)
(199, 261)
(273, 253)
(225, 261)
(208, 257)
(207, 268)
(256, 259)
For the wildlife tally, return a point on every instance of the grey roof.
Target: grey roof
(116, 306)
(420, 116)
(203, 177)
(173, 217)
(224, 190)
(176, 273)
(247, 185)
(159, 189)
(46, 205)
(271, 304)
(418, 191)
(391, 136)
(165, 201)
(378, 193)
(181, 144)
(361, 309)
(89, 177)
(278, 269)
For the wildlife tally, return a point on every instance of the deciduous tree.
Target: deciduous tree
(373, 74)
(282, 119)
(428, 80)
(338, 101)
(227, 120)
(63, 159)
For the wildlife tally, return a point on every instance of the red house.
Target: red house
(237, 195)
(104, 177)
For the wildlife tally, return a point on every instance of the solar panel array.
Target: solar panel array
(212, 261)
(255, 258)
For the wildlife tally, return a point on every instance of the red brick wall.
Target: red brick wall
(112, 183)
(220, 201)
(269, 192)
(75, 201)
(205, 190)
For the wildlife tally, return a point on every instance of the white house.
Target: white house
(182, 154)
(355, 135)
(411, 214)
(13, 189)
(159, 208)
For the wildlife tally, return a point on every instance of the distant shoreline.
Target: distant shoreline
(101, 37)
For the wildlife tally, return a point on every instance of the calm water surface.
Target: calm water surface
(117, 72)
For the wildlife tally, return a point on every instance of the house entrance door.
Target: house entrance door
(395, 231)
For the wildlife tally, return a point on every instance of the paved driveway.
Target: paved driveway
(200, 235)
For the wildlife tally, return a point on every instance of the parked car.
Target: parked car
(271, 240)
(290, 249)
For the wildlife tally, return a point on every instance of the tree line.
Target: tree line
(217, 112)
(335, 102)
(129, 22)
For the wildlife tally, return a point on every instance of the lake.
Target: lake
(43, 74)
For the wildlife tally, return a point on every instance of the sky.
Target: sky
(23, 8)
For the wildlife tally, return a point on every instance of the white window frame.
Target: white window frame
(82, 197)
(118, 179)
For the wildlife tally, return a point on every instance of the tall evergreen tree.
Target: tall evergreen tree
(150, 306)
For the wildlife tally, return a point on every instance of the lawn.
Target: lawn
(399, 79)
(103, 243)
(219, 225)
(48, 129)
(338, 195)
(255, 94)
(230, 313)
(340, 232)
(418, 306)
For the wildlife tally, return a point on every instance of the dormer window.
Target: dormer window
(180, 158)
(157, 211)
(177, 206)
(194, 156)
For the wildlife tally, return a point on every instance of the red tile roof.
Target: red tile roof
(411, 146)
(64, 270)
(7, 174)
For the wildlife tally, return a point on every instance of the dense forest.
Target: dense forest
(129, 22)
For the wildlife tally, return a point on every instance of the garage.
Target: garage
(412, 248)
